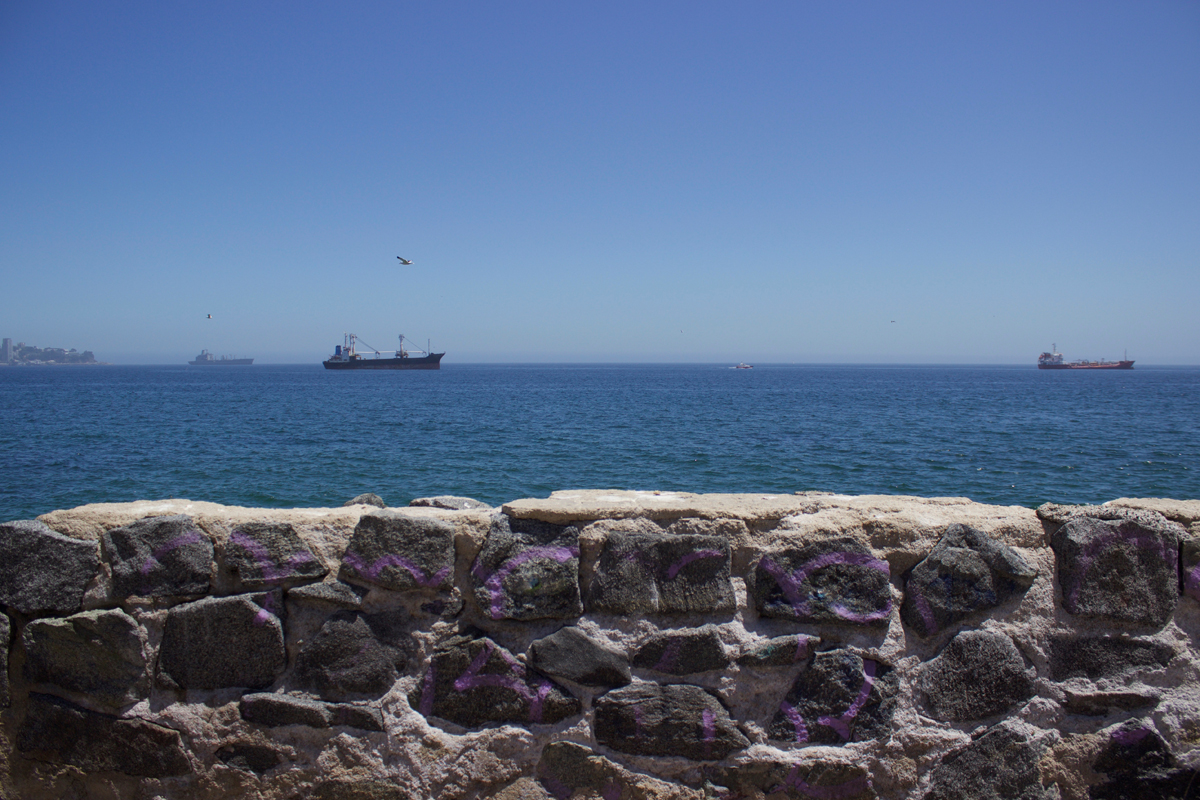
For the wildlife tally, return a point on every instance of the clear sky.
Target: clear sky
(879, 182)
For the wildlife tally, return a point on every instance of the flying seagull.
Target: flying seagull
(210, 316)
(404, 261)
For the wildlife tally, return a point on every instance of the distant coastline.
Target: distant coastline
(23, 355)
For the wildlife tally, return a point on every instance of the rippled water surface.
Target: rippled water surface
(286, 436)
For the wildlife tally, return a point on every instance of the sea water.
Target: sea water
(295, 436)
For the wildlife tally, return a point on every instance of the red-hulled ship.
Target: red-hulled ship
(1054, 360)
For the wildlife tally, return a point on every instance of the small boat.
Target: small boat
(1054, 360)
(205, 359)
(744, 365)
(346, 356)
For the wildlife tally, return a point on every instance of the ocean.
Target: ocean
(298, 435)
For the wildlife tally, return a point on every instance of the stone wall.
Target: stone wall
(613, 645)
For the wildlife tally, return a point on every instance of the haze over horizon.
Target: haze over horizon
(932, 183)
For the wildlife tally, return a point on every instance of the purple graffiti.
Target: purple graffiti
(839, 724)
(801, 648)
(262, 558)
(847, 789)
(155, 557)
(674, 569)
(1089, 554)
(925, 612)
(1192, 585)
(494, 581)
(471, 679)
(1125, 738)
(372, 571)
(426, 707)
(670, 657)
(265, 611)
(708, 726)
(790, 584)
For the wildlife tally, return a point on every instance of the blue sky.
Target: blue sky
(692, 181)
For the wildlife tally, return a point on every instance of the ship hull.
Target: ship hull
(431, 361)
(225, 362)
(1093, 365)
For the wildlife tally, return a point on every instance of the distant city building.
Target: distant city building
(6, 355)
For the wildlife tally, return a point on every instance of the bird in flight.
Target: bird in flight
(404, 261)
(210, 316)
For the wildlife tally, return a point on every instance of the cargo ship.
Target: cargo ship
(205, 359)
(1054, 360)
(346, 356)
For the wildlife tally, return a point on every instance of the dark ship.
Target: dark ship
(205, 359)
(346, 356)
(1054, 360)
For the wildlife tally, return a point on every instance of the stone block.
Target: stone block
(262, 555)
(57, 731)
(1138, 764)
(96, 653)
(450, 502)
(683, 652)
(650, 573)
(354, 654)
(566, 768)
(5, 641)
(1190, 552)
(159, 557)
(274, 710)
(366, 499)
(361, 790)
(1099, 704)
(999, 765)
(842, 697)
(365, 718)
(223, 642)
(782, 651)
(43, 572)
(968, 572)
(1096, 657)
(650, 719)
(475, 682)
(805, 778)
(528, 570)
(255, 758)
(571, 654)
(399, 552)
(978, 674)
(833, 581)
(332, 593)
(1123, 570)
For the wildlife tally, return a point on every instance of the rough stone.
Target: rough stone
(797, 779)
(528, 570)
(655, 720)
(159, 557)
(683, 652)
(366, 499)
(999, 765)
(400, 552)
(1096, 657)
(353, 654)
(334, 593)
(364, 718)
(223, 642)
(571, 654)
(1097, 704)
(649, 573)
(43, 572)
(57, 731)
(1123, 570)
(475, 682)
(360, 790)
(1190, 552)
(273, 710)
(567, 770)
(967, 572)
(97, 653)
(978, 674)
(842, 697)
(255, 758)
(450, 502)
(5, 641)
(262, 555)
(782, 651)
(1138, 764)
(833, 581)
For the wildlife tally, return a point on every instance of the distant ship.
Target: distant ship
(744, 365)
(205, 359)
(1054, 360)
(346, 356)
